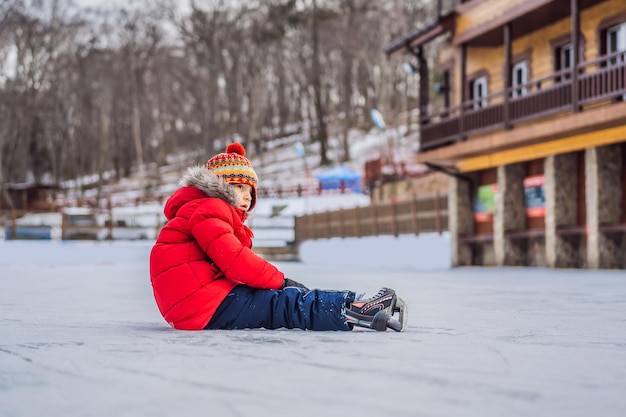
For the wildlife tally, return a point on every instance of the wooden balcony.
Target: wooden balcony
(599, 82)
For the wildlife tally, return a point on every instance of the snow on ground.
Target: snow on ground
(426, 251)
(298, 206)
(80, 335)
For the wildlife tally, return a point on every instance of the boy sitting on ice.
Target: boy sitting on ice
(205, 276)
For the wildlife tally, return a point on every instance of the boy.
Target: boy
(205, 276)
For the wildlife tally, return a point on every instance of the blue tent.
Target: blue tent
(335, 177)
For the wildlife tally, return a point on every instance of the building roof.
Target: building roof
(30, 186)
(420, 36)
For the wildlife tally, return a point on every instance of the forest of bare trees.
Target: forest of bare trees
(105, 92)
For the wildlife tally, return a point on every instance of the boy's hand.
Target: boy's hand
(291, 283)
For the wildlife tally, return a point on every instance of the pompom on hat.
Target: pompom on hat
(235, 168)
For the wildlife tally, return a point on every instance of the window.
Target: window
(478, 92)
(613, 45)
(564, 60)
(520, 79)
(616, 42)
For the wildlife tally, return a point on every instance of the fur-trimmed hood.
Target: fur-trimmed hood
(209, 183)
(198, 182)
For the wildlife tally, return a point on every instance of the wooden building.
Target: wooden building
(28, 197)
(529, 118)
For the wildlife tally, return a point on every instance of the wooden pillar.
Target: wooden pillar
(424, 98)
(63, 226)
(575, 52)
(394, 218)
(463, 90)
(374, 219)
(342, 224)
(507, 75)
(13, 233)
(414, 219)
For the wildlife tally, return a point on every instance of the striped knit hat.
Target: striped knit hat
(235, 168)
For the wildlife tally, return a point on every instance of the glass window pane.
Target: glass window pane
(611, 41)
(479, 91)
(520, 78)
(615, 41)
(567, 57)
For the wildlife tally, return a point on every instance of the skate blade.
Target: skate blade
(400, 324)
(381, 321)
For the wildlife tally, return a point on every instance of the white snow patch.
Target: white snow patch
(426, 251)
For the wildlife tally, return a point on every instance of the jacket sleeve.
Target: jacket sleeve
(212, 227)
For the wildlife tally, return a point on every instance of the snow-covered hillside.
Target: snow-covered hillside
(280, 166)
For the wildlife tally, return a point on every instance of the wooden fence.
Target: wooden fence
(87, 225)
(422, 214)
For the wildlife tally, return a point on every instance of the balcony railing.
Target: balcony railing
(601, 79)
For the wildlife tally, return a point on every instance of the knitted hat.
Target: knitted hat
(234, 168)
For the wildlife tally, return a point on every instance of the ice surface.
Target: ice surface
(80, 335)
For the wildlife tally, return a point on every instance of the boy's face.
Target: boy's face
(244, 196)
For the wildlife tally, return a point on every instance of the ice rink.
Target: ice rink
(80, 335)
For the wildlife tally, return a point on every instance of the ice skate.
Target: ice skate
(377, 312)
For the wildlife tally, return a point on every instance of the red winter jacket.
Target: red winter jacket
(203, 252)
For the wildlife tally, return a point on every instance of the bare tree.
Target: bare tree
(109, 93)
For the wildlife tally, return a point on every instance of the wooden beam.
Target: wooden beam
(422, 36)
(498, 21)
(544, 149)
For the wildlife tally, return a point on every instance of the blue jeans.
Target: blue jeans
(250, 308)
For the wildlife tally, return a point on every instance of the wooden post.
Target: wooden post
(438, 221)
(507, 76)
(313, 225)
(394, 218)
(13, 225)
(374, 220)
(341, 225)
(328, 225)
(63, 226)
(463, 91)
(423, 83)
(574, 10)
(158, 224)
(110, 210)
(415, 224)
(357, 215)
(298, 225)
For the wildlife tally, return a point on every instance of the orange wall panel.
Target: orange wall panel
(485, 12)
(537, 44)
